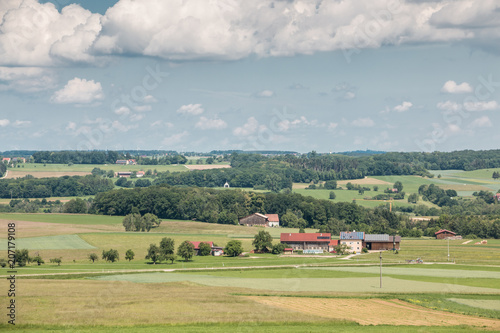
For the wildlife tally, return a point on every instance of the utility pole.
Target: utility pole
(448, 249)
(380, 269)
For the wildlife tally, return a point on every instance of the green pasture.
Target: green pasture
(64, 218)
(488, 304)
(61, 242)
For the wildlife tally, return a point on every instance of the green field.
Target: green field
(62, 242)
(88, 167)
(64, 218)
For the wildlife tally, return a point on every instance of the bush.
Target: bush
(364, 250)
(278, 248)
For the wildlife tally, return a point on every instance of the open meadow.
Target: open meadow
(258, 292)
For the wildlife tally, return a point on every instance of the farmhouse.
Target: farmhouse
(123, 174)
(353, 240)
(308, 242)
(140, 174)
(381, 242)
(497, 196)
(197, 246)
(269, 220)
(126, 162)
(444, 234)
(6, 160)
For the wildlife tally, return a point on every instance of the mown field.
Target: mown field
(256, 293)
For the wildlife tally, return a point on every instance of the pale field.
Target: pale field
(375, 312)
(206, 166)
(364, 181)
(44, 174)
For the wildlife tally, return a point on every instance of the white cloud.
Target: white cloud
(136, 117)
(160, 123)
(121, 127)
(248, 128)
(143, 108)
(332, 126)
(175, 138)
(35, 34)
(452, 87)
(4, 122)
(265, 94)
(193, 109)
(286, 124)
(26, 79)
(21, 123)
(123, 110)
(449, 106)
(205, 123)
(363, 122)
(79, 91)
(481, 106)
(481, 122)
(405, 106)
(150, 99)
(71, 126)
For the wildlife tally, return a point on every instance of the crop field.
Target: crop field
(61, 242)
(259, 292)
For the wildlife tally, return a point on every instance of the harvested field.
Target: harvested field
(34, 229)
(207, 166)
(362, 311)
(44, 174)
(62, 242)
(467, 187)
(364, 181)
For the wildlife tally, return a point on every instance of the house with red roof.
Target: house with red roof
(215, 250)
(443, 234)
(307, 242)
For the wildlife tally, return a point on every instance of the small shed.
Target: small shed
(288, 250)
(444, 234)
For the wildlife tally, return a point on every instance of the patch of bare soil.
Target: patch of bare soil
(364, 181)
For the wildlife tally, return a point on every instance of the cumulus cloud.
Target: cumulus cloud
(21, 123)
(79, 91)
(452, 87)
(160, 123)
(363, 122)
(26, 79)
(287, 124)
(449, 106)
(332, 126)
(206, 123)
(192, 109)
(143, 108)
(71, 126)
(150, 99)
(136, 117)
(481, 122)
(265, 94)
(405, 106)
(4, 122)
(481, 106)
(35, 34)
(250, 127)
(123, 110)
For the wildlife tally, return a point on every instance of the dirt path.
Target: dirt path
(375, 311)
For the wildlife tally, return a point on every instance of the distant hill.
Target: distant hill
(361, 153)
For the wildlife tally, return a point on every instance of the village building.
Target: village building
(123, 174)
(381, 242)
(197, 247)
(257, 219)
(226, 185)
(6, 160)
(140, 174)
(353, 240)
(497, 196)
(126, 162)
(312, 243)
(332, 244)
(444, 234)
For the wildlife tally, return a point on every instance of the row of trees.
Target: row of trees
(30, 187)
(102, 157)
(136, 222)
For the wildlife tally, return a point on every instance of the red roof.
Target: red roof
(197, 244)
(287, 249)
(444, 230)
(334, 242)
(273, 217)
(305, 237)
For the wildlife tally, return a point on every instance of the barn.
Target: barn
(443, 234)
(308, 242)
(381, 242)
(269, 220)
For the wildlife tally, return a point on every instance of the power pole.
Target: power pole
(380, 269)
(448, 249)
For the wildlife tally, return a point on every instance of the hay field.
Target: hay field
(61, 242)
(44, 174)
(362, 311)
(206, 166)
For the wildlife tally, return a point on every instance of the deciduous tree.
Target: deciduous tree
(186, 250)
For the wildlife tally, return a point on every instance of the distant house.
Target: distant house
(497, 196)
(353, 240)
(288, 250)
(226, 185)
(123, 174)
(394, 190)
(197, 246)
(126, 162)
(307, 242)
(443, 234)
(257, 219)
(140, 174)
(6, 160)
(381, 242)
(18, 160)
(332, 244)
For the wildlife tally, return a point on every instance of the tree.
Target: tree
(496, 175)
(375, 188)
(302, 231)
(399, 186)
(110, 255)
(341, 249)
(167, 246)
(57, 261)
(93, 257)
(186, 250)
(279, 248)
(154, 253)
(233, 248)
(132, 222)
(149, 221)
(21, 257)
(38, 260)
(413, 198)
(332, 195)
(205, 249)
(129, 255)
(330, 184)
(263, 241)
(272, 182)
(110, 174)
(170, 257)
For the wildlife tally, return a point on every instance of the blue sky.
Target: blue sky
(198, 75)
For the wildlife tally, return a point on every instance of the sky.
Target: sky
(202, 75)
